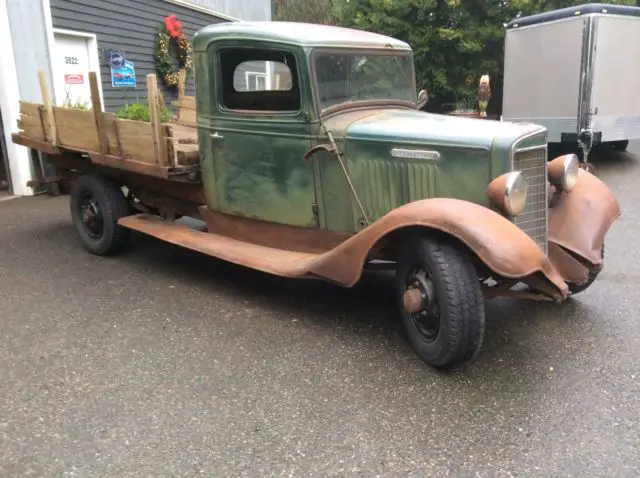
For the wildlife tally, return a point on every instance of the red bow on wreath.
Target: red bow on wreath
(174, 27)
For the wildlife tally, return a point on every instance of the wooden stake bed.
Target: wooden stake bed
(161, 150)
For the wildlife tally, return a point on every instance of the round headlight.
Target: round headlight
(515, 193)
(563, 172)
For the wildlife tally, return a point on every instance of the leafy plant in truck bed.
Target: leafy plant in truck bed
(77, 105)
(141, 112)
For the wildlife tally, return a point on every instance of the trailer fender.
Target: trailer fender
(579, 220)
(498, 243)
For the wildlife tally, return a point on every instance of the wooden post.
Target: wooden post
(117, 130)
(156, 123)
(182, 83)
(98, 119)
(182, 80)
(51, 121)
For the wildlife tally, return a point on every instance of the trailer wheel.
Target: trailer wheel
(621, 145)
(441, 302)
(96, 205)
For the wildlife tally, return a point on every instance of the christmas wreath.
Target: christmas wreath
(172, 31)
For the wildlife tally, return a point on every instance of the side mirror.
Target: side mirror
(423, 98)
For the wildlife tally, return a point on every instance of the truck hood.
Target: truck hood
(414, 126)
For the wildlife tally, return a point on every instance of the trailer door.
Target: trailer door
(616, 92)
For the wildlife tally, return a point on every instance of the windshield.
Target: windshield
(356, 76)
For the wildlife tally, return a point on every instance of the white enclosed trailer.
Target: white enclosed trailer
(576, 71)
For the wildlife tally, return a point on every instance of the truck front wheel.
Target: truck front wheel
(441, 302)
(96, 205)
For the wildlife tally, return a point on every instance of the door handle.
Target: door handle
(216, 136)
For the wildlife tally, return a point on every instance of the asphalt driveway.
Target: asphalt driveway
(162, 362)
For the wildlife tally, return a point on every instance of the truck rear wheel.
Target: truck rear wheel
(96, 205)
(441, 302)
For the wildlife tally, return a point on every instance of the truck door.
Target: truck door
(259, 134)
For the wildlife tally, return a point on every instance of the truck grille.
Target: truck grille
(533, 220)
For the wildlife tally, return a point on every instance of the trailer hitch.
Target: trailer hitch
(585, 141)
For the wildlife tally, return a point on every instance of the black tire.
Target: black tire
(593, 275)
(456, 305)
(621, 145)
(96, 205)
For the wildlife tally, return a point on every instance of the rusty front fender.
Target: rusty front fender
(579, 220)
(498, 243)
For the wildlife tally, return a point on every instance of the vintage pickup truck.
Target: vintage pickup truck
(322, 165)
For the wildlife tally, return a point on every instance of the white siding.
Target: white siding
(248, 10)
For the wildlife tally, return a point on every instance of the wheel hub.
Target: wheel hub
(419, 302)
(91, 217)
(412, 300)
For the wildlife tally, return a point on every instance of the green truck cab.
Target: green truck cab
(353, 91)
(316, 162)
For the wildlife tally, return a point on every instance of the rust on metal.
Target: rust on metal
(365, 104)
(412, 300)
(555, 167)
(504, 248)
(273, 261)
(291, 238)
(567, 266)
(580, 220)
(320, 147)
(496, 191)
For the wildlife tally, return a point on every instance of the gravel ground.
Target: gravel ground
(163, 362)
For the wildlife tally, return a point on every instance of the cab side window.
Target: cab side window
(259, 80)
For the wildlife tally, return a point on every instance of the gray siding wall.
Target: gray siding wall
(130, 27)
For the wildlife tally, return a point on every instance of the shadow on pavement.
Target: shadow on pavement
(368, 310)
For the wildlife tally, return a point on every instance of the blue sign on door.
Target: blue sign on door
(123, 76)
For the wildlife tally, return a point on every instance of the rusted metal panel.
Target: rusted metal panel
(265, 259)
(290, 238)
(580, 219)
(567, 266)
(503, 247)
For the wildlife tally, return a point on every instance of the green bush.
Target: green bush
(141, 112)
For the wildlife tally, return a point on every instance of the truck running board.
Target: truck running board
(266, 259)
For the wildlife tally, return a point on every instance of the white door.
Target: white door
(71, 65)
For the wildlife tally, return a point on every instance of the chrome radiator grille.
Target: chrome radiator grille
(533, 220)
